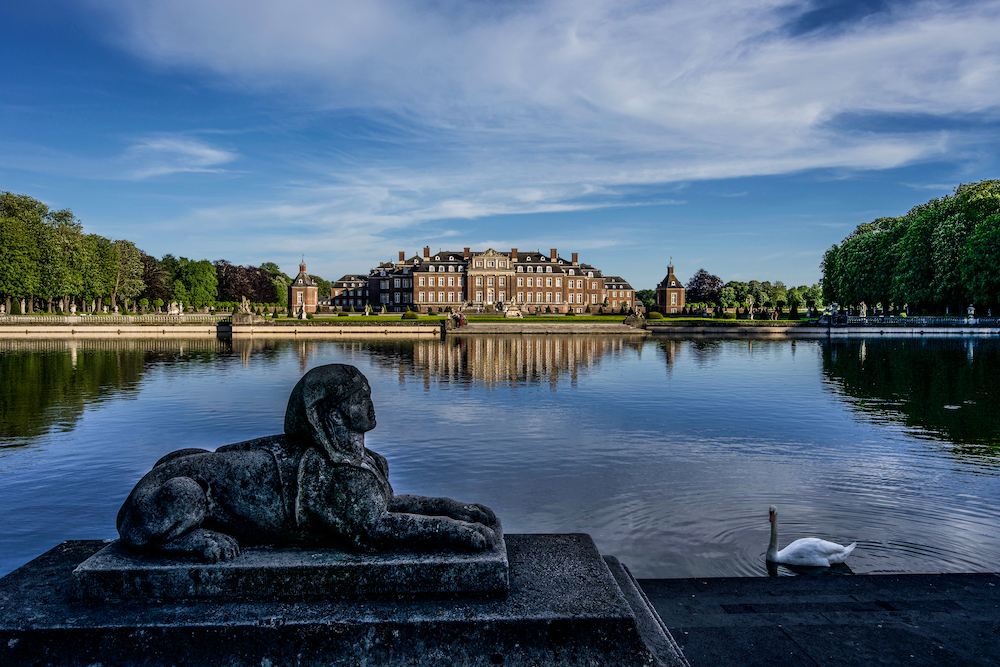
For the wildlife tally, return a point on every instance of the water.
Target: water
(668, 452)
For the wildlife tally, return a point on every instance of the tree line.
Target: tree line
(938, 258)
(707, 291)
(48, 262)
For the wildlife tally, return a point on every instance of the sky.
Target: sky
(744, 137)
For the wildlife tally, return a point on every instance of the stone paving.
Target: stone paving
(936, 619)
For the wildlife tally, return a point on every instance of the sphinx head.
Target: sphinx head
(331, 407)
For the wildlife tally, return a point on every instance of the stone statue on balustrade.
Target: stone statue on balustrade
(315, 484)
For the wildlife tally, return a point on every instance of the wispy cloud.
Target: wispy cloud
(160, 156)
(544, 100)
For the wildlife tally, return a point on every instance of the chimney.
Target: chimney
(465, 254)
(552, 254)
(302, 267)
(427, 252)
(513, 254)
(402, 255)
(575, 256)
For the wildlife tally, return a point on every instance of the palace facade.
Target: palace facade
(467, 280)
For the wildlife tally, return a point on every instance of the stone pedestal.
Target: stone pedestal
(566, 605)
(264, 573)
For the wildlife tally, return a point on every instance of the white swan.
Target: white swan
(807, 552)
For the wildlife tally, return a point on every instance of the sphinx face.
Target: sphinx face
(359, 410)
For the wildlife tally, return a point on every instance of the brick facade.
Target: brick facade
(670, 294)
(303, 292)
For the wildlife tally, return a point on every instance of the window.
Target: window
(451, 296)
(673, 310)
(451, 268)
(571, 298)
(503, 281)
(489, 281)
(397, 282)
(479, 264)
(520, 297)
(459, 282)
(593, 285)
(397, 297)
(502, 265)
(479, 296)
(548, 297)
(298, 296)
(479, 281)
(430, 281)
(558, 297)
(421, 282)
(593, 298)
(489, 264)
(520, 281)
(590, 274)
(530, 269)
(437, 257)
(461, 268)
(384, 298)
(673, 299)
(548, 269)
(451, 282)
(531, 282)
(558, 282)
(407, 283)
(440, 296)
(673, 282)
(548, 282)
(538, 297)
(421, 297)
(519, 269)
(384, 284)
(572, 272)
(529, 297)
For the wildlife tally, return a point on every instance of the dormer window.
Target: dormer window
(590, 274)
(548, 269)
(531, 269)
(451, 258)
(437, 257)
(489, 264)
(520, 269)
(572, 272)
(673, 282)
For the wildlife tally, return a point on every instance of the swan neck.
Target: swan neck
(772, 547)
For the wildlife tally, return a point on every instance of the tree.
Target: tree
(156, 280)
(981, 264)
(703, 287)
(647, 297)
(127, 283)
(18, 261)
(727, 295)
(100, 268)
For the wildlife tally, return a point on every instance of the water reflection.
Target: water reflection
(667, 451)
(943, 389)
(45, 385)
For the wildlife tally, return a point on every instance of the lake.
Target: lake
(667, 451)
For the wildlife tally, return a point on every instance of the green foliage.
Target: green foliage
(654, 315)
(937, 256)
(647, 297)
(309, 316)
(571, 313)
(410, 315)
(343, 314)
(587, 309)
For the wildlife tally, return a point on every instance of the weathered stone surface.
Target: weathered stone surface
(290, 573)
(564, 607)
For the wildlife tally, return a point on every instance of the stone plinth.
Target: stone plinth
(291, 573)
(566, 606)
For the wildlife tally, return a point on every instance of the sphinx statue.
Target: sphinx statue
(315, 484)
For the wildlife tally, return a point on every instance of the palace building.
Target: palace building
(462, 280)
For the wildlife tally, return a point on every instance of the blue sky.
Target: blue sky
(741, 136)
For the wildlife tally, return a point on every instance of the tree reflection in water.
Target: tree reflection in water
(945, 389)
